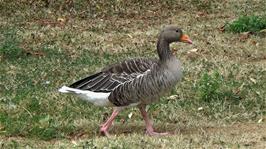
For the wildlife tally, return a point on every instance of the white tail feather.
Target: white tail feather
(97, 98)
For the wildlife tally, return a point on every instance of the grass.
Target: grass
(9, 48)
(247, 24)
(219, 103)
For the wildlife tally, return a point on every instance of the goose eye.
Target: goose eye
(177, 31)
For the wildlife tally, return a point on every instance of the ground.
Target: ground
(219, 103)
(229, 136)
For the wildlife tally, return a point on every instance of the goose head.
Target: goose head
(167, 36)
(174, 34)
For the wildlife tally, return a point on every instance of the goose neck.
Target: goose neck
(163, 49)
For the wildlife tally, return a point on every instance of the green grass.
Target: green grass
(247, 24)
(10, 47)
(220, 102)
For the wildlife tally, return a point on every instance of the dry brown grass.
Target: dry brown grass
(227, 136)
(73, 44)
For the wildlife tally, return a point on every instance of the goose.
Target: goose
(134, 82)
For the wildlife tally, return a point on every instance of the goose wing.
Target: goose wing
(111, 77)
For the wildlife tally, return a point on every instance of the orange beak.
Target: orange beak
(185, 38)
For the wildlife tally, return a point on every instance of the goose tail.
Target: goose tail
(66, 89)
(97, 98)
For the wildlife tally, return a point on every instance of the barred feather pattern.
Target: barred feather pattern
(111, 77)
(139, 81)
(148, 87)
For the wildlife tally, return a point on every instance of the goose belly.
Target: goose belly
(146, 89)
(163, 86)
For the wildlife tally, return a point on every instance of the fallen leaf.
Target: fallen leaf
(61, 19)
(253, 80)
(200, 108)
(47, 82)
(122, 121)
(193, 50)
(172, 97)
(129, 36)
(260, 120)
(244, 36)
(222, 29)
(74, 142)
(193, 53)
(130, 115)
(254, 42)
(201, 14)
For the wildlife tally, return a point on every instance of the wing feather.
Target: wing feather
(111, 77)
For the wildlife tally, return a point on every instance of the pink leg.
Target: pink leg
(149, 128)
(104, 127)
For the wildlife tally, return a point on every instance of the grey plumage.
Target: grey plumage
(148, 87)
(133, 82)
(141, 80)
(117, 74)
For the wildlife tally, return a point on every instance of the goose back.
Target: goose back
(111, 77)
